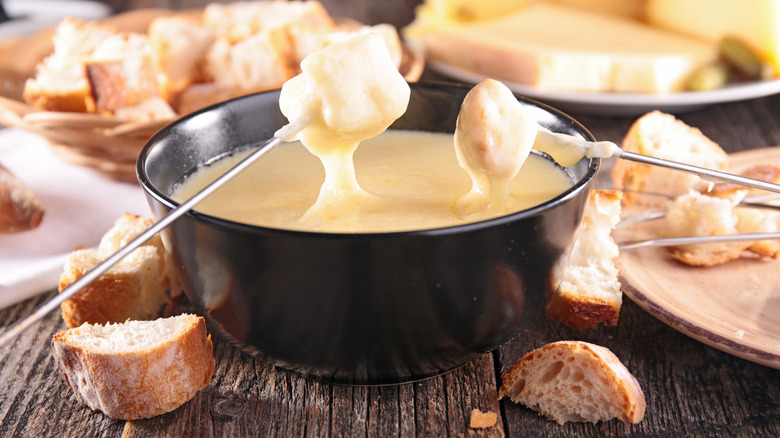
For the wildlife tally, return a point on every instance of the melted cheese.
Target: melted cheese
(346, 93)
(493, 137)
(413, 177)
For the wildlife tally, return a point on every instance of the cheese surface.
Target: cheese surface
(346, 93)
(757, 22)
(413, 177)
(557, 47)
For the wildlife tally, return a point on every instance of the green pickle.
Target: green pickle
(745, 59)
(710, 77)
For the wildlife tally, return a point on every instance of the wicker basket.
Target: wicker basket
(106, 144)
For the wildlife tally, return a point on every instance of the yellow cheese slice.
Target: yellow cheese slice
(757, 22)
(555, 47)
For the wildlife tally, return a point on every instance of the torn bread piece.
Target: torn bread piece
(60, 82)
(179, 45)
(259, 62)
(482, 420)
(588, 291)
(136, 369)
(240, 20)
(20, 209)
(695, 214)
(574, 381)
(140, 286)
(661, 135)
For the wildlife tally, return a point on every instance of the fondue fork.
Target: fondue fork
(751, 202)
(696, 240)
(286, 133)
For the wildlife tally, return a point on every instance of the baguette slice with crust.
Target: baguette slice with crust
(661, 135)
(588, 291)
(574, 381)
(136, 369)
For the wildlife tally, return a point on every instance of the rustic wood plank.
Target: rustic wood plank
(691, 388)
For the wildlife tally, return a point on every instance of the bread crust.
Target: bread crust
(580, 311)
(135, 288)
(142, 383)
(661, 135)
(20, 209)
(530, 376)
(586, 304)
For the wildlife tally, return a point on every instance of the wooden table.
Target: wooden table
(691, 389)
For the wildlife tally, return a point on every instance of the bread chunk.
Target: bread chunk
(140, 286)
(121, 73)
(179, 45)
(574, 381)
(60, 82)
(661, 135)
(695, 214)
(588, 291)
(136, 369)
(20, 209)
(240, 20)
(258, 63)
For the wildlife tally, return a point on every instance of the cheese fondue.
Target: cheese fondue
(493, 137)
(413, 177)
(346, 93)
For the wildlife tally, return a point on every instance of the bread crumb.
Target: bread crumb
(482, 420)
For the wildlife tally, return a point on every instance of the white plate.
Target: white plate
(623, 104)
(734, 307)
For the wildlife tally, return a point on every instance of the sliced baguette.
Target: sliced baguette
(661, 135)
(137, 369)
(588, 291)
(574, 381)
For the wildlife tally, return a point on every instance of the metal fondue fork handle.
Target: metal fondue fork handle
(283, 134)
(696, 240)
(704, 173)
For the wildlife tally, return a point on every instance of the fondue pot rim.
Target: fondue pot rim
(168, 202)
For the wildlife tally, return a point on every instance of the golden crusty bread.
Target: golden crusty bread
(20, 209)
(661, 135)
(140, 286)
(261, 61)
(588, 291)
(121, 72)
(695, 214)
(178, 47)
(60, 82)
(240, 20)
(574, 381)
(136, 369)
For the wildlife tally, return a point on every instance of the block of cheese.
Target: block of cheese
(624, 8)
(556, 47)
(757, 22)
